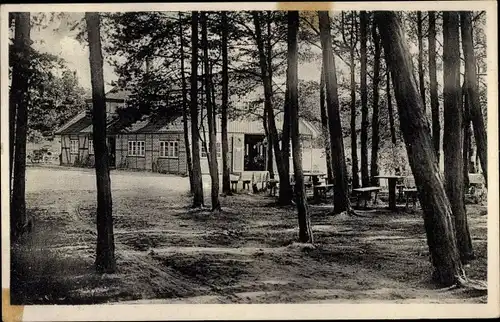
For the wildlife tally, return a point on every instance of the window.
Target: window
(169, 149)
(204, 152)
(73, 147)
(91, 146)
(136, 148)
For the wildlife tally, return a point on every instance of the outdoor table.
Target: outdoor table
(393, 179)
(315, 180)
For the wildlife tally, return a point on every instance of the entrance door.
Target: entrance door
(255, 153)
(112, 151)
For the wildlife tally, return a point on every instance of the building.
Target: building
(158, 145)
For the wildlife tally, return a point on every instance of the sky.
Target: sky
(58, 39)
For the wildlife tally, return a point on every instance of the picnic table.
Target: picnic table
(315, 178)
(393, 180)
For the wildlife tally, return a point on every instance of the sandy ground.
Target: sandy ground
(167, 253)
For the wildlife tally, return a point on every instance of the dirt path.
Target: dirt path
(246, 254)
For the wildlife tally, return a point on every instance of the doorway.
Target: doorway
(255, 152)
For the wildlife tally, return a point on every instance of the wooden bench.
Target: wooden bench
(320, 191)
(260, 177)
(244, 177)
(366, 193)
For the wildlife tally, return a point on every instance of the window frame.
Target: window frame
(91, 147)
(169, 146)
(219, 151)
(138, 148)
(71, 145)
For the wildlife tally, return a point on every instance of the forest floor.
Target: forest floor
(168, 253)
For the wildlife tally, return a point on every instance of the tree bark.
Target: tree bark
(105, 255)
(416, 133)
(436, 127)
(19, 108)
(452, 134)
(365, 178)
(226, 180)
(212, 138)
(473, 91)
(269, 146)
(324, 126)
(392, 128)
(185, 124)
(375, 116)
(341, 200)
(466, 137)
(305, 231)
(420, 38)
(197, 178)
(354, 135)
(18, 45)
(285, 188)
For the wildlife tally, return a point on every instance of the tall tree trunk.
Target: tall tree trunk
(305, 231)
(212, 138)
(354, 135)
(269, 146)
(105, 255)
(466, 135)
(324, 126)
(416, 133)
(267, 120)
(365, 178)
(18, 46)
(19, 107)
(392, 128)
(226, 180)
(436, 127)
(473, 91)
(284, 194)
(197, 178)
(185, 110)
(341, 200)
(452, 133)
(420, 38)
(375, 116)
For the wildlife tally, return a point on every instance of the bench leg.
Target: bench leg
(358, 195)
(407, 201)
(376, 195)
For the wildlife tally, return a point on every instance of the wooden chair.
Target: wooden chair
(410, 191)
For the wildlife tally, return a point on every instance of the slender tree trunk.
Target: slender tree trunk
(185, 110)
(305, 231)
(105, 255)
(452, 134)
(269, 146)
(436, 127)
(341, 200)
(197, 178)
(226, 180)
(324, 126)
(18, 46)
(19, 107)
(389, 107)
(375, 116)
(467, 135)
(354, 135)
(473, 91)
(416, 133)
(284, 194)
(365, 178)
(270, 164)
(212, 138)
(420, 38)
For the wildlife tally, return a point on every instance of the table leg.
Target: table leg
(392, 193)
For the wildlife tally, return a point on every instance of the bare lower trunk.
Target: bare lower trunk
(466, 137)
(213, 164)
(105, 255)
(354, 135)
(375, 116)
(285, 189)
(436, 206)
(305, 232)
(390, 110)
(341, 200)
(324, 126)
(19, 91)
(226, 183)
(185, 124)
(473, 91)
(452, 134)
(365, 178)
(197, 179)
(436, 127)
(420, 38)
